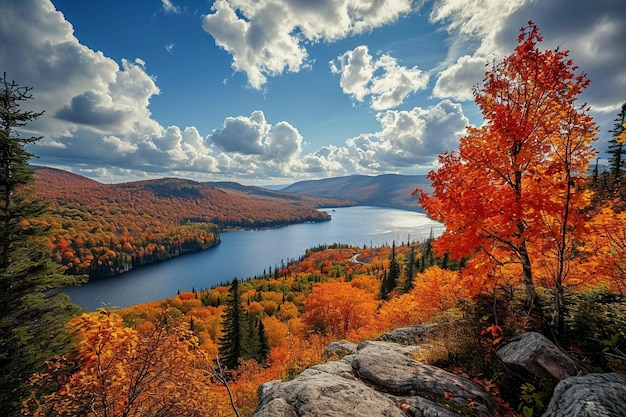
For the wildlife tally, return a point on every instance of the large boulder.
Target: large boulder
(340, 349)
(389, 367)
(324, 390)
(536, 355)
(381, 379)
(411, 335)
(589, 396)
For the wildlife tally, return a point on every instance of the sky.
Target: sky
(278, 91)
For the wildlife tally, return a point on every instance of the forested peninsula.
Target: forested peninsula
(102, 230)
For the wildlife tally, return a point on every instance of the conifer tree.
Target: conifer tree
(390, 279)
(249, 337)
(264, 344)
(230, 347)
(394, 269)
(617, 160)
(409, 271)
(32, 314)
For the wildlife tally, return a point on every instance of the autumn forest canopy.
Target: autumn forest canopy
(106, 229)
(535, 239)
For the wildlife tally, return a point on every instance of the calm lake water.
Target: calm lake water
(244, 254)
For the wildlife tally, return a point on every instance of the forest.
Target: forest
(535, 239)
(105, 229)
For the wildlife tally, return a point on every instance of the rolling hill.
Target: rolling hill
(389, 190)
(105, 229)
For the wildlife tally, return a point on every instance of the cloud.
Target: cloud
(482, 32)
(395, 83)
(253, 136)
(96, 111)
(357, 70)
(170, 7)
(459, 79)
(268, 38)
(92, 108)
(408, 140)
(98, 121)
(411, 138)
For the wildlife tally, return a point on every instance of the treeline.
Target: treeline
(104, 229)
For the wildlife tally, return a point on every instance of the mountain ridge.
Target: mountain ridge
(386, 190)
(106, 229)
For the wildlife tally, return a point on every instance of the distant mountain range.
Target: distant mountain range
(389, 190)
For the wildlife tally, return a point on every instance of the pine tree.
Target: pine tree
(230, 348)
(32, 313)
(390, 279)
(409, 270)
(617, 160)
(264, 344)
(249, 337)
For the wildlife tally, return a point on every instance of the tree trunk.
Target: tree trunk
(531, 295)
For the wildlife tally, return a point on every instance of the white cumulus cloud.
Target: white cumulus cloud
(254, 136)
(268, 38)
(485, 31)
(383, 80)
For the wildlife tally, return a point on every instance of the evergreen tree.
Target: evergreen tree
(384, 286)
(249, 337)
(394, 269)
(617, 160)
(230, 348)
(390, 279)
(32, 314)
(409, 270)
(264, 344)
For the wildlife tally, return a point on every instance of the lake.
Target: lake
(247, 253)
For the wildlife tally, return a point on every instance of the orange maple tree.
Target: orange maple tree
(337, 308)
(515, 185)
(603, 255)
(155, 369)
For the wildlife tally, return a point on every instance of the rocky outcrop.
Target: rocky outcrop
(340, 349)
(380, 379)
(329, 389)
(589, 396)
(534, 354)
(390, 368)
(411, 335)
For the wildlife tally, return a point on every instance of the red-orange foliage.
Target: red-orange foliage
(603, 254)
(515, 184)
(338, 308)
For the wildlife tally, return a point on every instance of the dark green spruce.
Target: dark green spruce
(32, 313)
(616, 150)
(390, 279)
(230, 346)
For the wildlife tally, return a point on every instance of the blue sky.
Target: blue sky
(276, 91)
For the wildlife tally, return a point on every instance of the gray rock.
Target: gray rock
(317, 393)
(406, 335)
(389, 367)
(339, 349)
(538, 356)
(589, 395)
(422, 407)
(381, 379)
